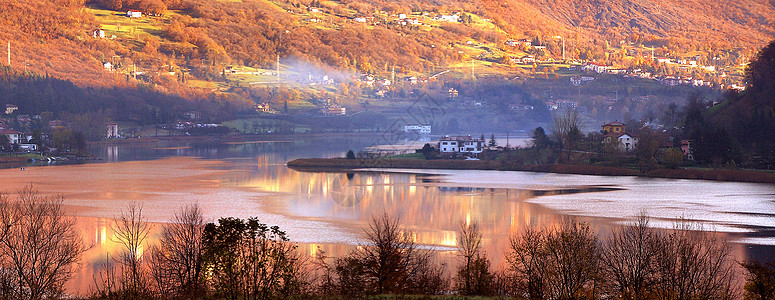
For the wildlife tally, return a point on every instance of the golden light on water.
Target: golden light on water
(325, 211)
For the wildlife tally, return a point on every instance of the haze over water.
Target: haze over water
(327, 211)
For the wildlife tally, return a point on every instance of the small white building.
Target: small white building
(192, 115)
(12, 135)
(134, 14)
(334, 110)
(421, 129)
(28, 147)
(99, 33)
(455, 18)
(623, 141)
(108, 66)
(10, 108)
(452, 145)
(112, 131)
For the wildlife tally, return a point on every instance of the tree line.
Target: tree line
(246, 259)
(87, 109)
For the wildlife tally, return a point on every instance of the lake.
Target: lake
(326, 211)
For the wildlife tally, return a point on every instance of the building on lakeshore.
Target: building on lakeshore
(112, 131)
(420, 129)
(623, 141)
(451, 146)
(12, 135)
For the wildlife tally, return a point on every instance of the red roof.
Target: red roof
(614, 123)
(10, 131)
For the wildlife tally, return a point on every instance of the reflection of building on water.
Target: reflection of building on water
(112, 153)
(449, 189)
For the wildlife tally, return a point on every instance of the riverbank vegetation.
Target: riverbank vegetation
(246, 259)
(343, 164)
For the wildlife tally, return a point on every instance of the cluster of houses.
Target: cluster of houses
(20, 139)
(185, 125)
(330, 107)
(598, 68)
(334, 110)
(615, 133)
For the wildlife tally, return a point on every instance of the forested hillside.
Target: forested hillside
(200, 37)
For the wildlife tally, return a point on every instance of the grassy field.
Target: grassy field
(407, 156)
(116, 23)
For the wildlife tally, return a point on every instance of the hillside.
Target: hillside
(720, 24)
(55, 36)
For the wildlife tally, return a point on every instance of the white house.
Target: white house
(449, 18)
(451, 145)
(108, 66)
(28, 147)
(421, 129)
(99, 33)
(112, 131)
(134, 14)
(595, 67)
(13, 135)
(192, 115)
(623, 141)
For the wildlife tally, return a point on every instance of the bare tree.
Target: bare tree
(176, 263)
(628, 259)
(388, 258)
(573, 261)
(474, 276)
(560, 263)
(390, 263)
(527, 262)
(692, 263)
(130, 230)
(567, 130)
(39, 246)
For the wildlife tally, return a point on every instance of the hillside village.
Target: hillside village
(325, 62)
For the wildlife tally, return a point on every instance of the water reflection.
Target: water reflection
(327, 211)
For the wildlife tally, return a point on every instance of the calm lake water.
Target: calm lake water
(327, 211)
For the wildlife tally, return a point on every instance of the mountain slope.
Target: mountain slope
(199, 38)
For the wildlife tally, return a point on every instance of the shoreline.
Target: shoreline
(343, 165)
(215, 138)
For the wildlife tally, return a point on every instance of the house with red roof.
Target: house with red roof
(13, 135)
